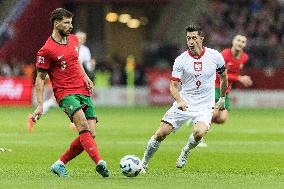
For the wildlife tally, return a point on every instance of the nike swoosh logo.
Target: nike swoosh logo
(92, 148)
(60, 56)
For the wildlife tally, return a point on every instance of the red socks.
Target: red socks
(75, 149)
(90, 146)
(83, 142)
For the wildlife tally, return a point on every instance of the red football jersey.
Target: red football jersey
(233, 66)
(61, 63)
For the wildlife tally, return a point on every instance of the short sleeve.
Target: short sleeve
(42, 61)
(177, 71)
(220, 63)
(245, 60)
(224, 54)
(88, 54)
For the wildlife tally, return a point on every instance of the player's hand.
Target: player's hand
(245, 80)
(89, 84)
(37, 113)
(182, 105)
(221, 103)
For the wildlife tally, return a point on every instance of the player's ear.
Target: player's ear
(56, 22)
(202, 38)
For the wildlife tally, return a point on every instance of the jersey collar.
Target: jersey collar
(59, 43)
(201, 54)
(231, 53)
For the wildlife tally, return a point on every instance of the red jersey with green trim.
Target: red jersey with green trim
(233, 66)
(61, 63)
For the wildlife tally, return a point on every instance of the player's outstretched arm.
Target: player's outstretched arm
(223, 89)
(245, 80)
(175, 94)
(39, 85)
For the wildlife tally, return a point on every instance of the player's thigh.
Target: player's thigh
(70, 105)
(200, 129)
(90, 112)
(80, 120)
(163, 131)
(176, 117)
(202, 119)
(92, 126)
(89, 109)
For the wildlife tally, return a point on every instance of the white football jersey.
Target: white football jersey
(197, 76)
(85, 57)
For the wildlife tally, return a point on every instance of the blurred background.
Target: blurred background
(134, 44)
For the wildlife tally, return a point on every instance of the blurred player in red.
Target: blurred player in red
(235, 58)
(72, 89)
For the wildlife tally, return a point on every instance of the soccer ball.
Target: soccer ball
(130, 165)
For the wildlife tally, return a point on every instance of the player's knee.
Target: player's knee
(198, 134)
(220, 120)
(93, 135)
(83, 125)
(160, 136)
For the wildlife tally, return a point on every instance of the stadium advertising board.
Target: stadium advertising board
(159, 83)
(16, 90)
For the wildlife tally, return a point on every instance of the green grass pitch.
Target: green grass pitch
(246, 152)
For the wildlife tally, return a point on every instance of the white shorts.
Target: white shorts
(177, 117)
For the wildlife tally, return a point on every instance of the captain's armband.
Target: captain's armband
(221, 70)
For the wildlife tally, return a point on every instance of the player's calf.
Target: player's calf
(191, 144)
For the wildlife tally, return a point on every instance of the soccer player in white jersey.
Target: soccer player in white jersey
(195, 70)
(85, 55)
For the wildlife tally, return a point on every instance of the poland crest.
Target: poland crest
(198, 66)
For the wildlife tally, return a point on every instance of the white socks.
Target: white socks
(154, 145)
(190, 144)
(151, 148)
(60, 162)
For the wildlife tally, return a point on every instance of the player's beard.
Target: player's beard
(63, 33)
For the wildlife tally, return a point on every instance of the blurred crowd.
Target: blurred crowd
(113, 71)
(15, 67)
(262, 21)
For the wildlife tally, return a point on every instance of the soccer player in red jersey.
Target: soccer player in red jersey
(235, 58)
(72, 89)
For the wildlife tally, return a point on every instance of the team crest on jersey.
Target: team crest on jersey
(198, 66)
(76, 49)
(41, 59)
